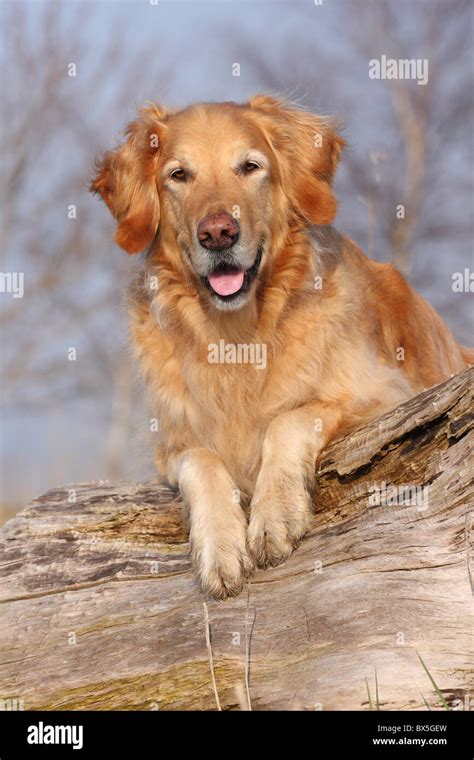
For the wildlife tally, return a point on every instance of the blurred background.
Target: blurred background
(73, 73)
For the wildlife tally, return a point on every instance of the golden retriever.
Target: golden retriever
(261, 331)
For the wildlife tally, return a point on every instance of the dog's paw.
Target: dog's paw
(278, 522)
(222, 561)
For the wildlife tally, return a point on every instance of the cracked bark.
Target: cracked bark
(100, 609)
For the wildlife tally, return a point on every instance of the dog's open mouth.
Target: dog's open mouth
(228, 282)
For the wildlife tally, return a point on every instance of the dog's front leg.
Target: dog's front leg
(281, 508)
(218, 526)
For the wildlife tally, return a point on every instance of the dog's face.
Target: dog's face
(221, 184)
(216, 183)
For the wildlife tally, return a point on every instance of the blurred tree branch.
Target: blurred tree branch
(73, 283)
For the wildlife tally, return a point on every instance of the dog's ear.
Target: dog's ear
(307, 149)
(126, 180)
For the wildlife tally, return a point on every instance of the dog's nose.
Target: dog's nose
(218, 231)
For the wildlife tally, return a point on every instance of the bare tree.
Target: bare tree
(62, 341)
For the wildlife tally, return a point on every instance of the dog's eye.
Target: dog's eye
(250, 166)
(179, 175)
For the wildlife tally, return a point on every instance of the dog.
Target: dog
(233, 206)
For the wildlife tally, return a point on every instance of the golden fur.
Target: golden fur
(346, 338)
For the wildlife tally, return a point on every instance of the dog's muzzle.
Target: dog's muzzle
(227, 281)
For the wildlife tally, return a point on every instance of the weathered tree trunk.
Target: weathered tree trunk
(100, 608)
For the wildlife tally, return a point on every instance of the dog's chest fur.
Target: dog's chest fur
(220, 390)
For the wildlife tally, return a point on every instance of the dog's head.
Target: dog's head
(221, 185)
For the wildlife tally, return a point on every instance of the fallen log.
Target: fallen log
(100, 609)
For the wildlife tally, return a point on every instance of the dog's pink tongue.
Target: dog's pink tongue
(226, 283)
